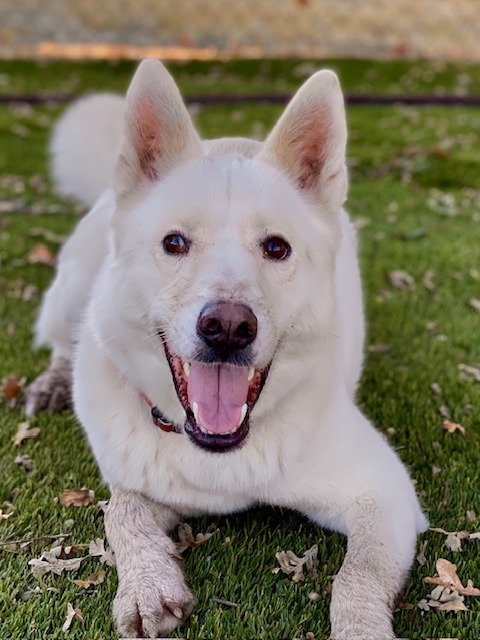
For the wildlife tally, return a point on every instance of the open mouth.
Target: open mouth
(217, 399)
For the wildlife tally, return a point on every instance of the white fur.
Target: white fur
(309, 447)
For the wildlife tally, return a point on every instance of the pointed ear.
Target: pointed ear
(158, 132)
(309, 140)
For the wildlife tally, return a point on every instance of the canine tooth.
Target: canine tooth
(195, 411)
(243, 414)
(186, 368)
(251, 373)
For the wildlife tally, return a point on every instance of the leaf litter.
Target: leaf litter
(188, 540)
(446, 576)
(454, 539)
(59, 558)
(24, 432)
(300, 567)
(82, 498)
(72, 613)
(451, 427)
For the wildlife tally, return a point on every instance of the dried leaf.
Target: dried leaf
(436, 388)
(446, 576)
(401, 279)
(187, 540)
(93, 580)
(105, 555)
(453, 543)
(24, 432)
(5, 516)
(292, 564)
(11, 386)
(421, 558)
(427, 280)
(24, 461)
(71, 614)
(451, 427)
(469, 373)
(50, 561)
(82, 498)
(475, 304)
(453, 605)
(41, 254)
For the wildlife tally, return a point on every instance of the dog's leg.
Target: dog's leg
(370, 578)
(353, 482)
(52, 389)
(64, 305)
(152, 597)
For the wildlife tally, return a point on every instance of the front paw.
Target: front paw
(152, 598)
(52, 390)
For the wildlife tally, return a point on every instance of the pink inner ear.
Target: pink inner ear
(311, 144)
(147, 141)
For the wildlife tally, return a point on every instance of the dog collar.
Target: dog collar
(159, 418)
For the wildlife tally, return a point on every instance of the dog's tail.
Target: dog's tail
(85, 145)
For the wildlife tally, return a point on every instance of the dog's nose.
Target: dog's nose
(226, 326)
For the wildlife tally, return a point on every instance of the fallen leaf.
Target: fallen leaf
(24, 432)
(453, 605)
(105, 555)
(446, 576)
(71, 615)
(11, 386)
(451, 427)
(436, 388)
(81, 498)
(93, 580)
(421, 558)
(401, 279)
(475, 304)
(41, 254)
(24, 461)
(50, 561)
(5, 516)
(292, 564)
(427, 280)
(187, 540)
(469, 373)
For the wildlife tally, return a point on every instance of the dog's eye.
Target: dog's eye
(276, 248)
(175, 243)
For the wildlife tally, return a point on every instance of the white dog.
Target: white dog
(214, 300)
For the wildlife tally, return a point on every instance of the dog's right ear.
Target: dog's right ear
(159, 134)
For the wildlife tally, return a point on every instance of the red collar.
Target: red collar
(158, 417)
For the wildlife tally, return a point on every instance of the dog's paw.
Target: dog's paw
(152, 599)
(52, 390)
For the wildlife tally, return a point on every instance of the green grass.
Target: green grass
(402, 161)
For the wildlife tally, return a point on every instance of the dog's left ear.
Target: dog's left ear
(309, 141)
(158, 133)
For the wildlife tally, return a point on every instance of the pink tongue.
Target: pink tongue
(220, 390)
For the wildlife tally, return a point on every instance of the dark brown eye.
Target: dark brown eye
(175, 243)
(276, 248)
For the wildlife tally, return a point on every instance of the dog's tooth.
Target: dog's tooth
(243, 414)
(251, 373)
(195, 411)
(186, 368)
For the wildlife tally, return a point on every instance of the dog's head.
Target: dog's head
(227, 261)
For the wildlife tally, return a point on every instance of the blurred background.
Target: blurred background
(209, 29)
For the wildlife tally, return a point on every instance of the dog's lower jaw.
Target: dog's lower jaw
(152, 597)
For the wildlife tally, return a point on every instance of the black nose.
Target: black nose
(227, 327)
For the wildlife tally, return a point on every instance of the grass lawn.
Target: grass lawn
(415, 193)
